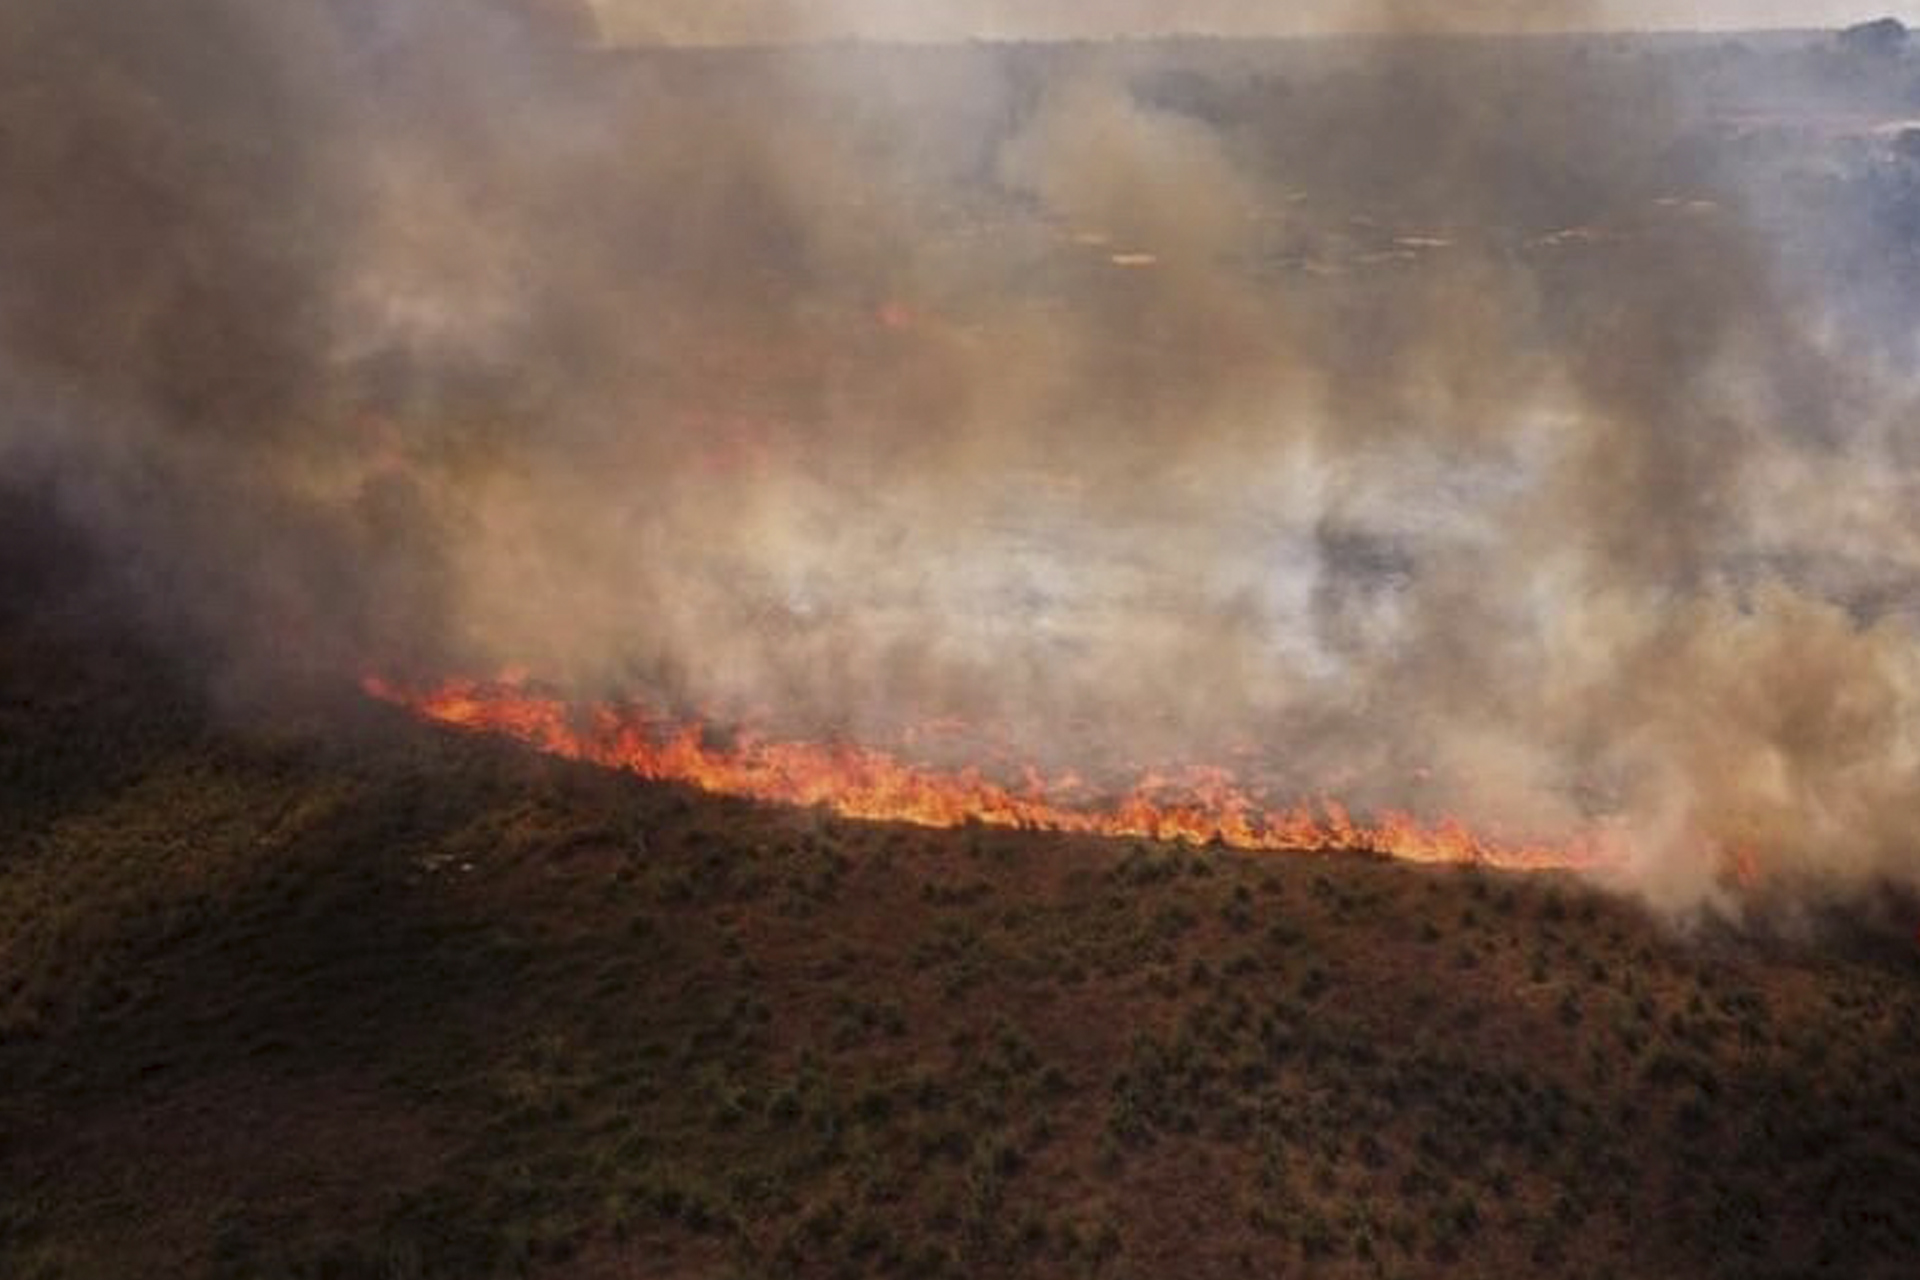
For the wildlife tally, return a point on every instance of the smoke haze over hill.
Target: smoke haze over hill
(1441, 427)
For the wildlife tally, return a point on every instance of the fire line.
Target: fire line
(862, 783)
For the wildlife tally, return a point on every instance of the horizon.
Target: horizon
(685, 23)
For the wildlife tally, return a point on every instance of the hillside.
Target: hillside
(331, 993)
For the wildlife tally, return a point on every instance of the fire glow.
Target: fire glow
(1200, 807)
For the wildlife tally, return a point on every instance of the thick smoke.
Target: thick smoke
(1432, 422)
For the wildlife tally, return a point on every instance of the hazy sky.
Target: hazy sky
(754, 20)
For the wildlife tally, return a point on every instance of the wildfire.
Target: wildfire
(1204, 806)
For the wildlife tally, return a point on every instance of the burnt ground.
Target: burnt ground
(331, 993)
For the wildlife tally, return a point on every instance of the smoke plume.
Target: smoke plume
(1455, 423)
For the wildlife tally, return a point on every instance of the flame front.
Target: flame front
(1205, 806)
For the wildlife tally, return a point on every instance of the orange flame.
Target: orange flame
(1203, 807)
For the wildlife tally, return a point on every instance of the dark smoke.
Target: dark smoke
(1462, 423)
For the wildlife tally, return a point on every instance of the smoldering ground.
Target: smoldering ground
(1431, 422)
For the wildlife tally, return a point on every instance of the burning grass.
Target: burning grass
(1200, 806)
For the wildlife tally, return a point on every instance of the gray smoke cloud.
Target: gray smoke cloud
(1462, 425)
